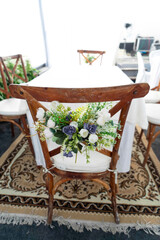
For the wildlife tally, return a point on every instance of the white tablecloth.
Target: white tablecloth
(93, 76)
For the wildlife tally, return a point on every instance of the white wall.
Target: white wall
(95, 25)
(21, 31)
(85, 24)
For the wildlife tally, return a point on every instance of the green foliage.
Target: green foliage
(90, 59)
(31, 74)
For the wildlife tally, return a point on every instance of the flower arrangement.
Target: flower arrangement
(89, 58)
(87, 128)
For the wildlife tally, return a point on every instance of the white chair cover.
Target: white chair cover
(154, 58)
(142, 75)
(152, 77)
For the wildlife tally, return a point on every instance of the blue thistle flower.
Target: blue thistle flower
(69, 130)
(69, 154)
(90, 127)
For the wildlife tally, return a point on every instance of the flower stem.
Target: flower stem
(76, 158)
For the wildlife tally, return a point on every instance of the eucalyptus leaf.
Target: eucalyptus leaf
(75, 150)
(53, 131)
(59, 134)
(80, 146)
(59, 141)
(54, 139)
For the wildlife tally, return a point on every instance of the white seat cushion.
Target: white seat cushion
(13, 106)
(153, 113)
(152, 97)
(98, 161)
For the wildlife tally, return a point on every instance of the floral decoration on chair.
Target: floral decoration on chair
(86, 129)
(89, 59)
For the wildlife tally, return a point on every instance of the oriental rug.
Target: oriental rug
(79, 204)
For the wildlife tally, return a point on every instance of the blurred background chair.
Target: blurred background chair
(90, 58)
(103, 161)
(152, 77)
(153, 115)
(11, 109)
(153, 97)
(154, 59)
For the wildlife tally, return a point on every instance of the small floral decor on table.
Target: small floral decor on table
(85, 129)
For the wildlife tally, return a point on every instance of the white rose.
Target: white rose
(54, 105)
(104, 114)
(93, 138)
(40, 114)
(83, 133)
(50, 124)
(101, 121)
(48, 133)
(74, 124)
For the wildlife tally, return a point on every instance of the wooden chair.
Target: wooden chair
(122, 94)
(12, 109)
(153, 115)
(83, 52)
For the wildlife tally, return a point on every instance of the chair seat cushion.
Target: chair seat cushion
(152, 97)
(13, 106)
(153, 113)
(98, 161)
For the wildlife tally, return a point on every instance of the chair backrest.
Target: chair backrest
(11, 68)
(90, 59)
(122, 94)
(154, 59)
(152, 54)
(141, 69)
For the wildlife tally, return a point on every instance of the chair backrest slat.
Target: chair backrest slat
(83, 95)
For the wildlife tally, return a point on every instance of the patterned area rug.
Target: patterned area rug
(23, 197)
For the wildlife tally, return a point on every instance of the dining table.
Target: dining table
(82, 76)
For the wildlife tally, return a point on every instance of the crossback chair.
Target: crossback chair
(88, 60)
(12, 109)
(122, 94)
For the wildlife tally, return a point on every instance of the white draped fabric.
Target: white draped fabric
(152, 77)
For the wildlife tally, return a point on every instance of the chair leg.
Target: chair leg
(148, 131)
(50, 183)
(140, 136)
(150, 138)
(113, 198)
(12, 129)
(26, 129)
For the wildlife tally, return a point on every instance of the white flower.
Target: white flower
(54, 105)
(83, 132)
(101, 121)
(93, 138)
(48, 133)
(104, 114)
(74, 124)
(40, 114)
(50, 124)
